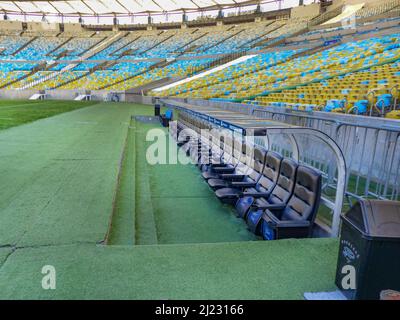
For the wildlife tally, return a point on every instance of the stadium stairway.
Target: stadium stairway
(222, 41)
(130, 77)
(24, 46)
(102, 66)
(124, 46)
(265, 44)
(157, 44)
(264, 38)
(101, 45)
(50, 53)
(269, 27)
(187, 46)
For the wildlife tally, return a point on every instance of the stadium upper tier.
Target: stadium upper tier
(148, 44)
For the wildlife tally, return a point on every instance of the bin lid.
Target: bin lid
(376, 218)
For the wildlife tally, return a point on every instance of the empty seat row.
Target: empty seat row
(277, 197)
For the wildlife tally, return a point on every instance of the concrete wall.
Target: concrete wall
(73, 28)
(304, 11)
(97, 95)
(138, 99)
(10, 25)
(43, 27)
(338, 3)
(16, 94)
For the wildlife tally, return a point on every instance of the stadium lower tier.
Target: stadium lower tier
(57, 210)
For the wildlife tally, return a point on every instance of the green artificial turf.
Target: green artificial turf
(241, 270)
(185, 208)
(4, 254)
(122, 229)
(59, 175)
(17, 112)
(170, 202)
(64, 178)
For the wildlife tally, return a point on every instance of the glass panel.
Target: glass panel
(149, 5)
(9, 6)
(113, 6)
(205, 3)
(225, 1)
(97, 6)
(132, 6)
(80, 7)
(183, 4)
(63, 7)
(45, 7)
(168, 5)
(27, 7)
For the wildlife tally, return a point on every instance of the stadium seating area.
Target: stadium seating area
(224, 82)
(38, 48)
(75, 47)
(347, 93)
(301, 83)
(291, 67)
(378, 8)
(11, 44)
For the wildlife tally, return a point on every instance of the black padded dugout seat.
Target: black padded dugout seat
(231, 193)
(296, 219)
(242, 169)
(233, 162)
(212, 151)
(265, 183)
(252, 206)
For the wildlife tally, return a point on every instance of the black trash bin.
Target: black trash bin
(369, 254)
(157, 109)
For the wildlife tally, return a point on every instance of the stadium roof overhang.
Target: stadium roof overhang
(118, 7)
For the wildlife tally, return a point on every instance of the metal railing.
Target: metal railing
(372, 152)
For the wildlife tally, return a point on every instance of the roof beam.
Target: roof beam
(40, 10)
(94, 13)
(127, 10)
(195, 4)
(14, 3)
(54, 7)
(162, 9)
